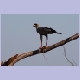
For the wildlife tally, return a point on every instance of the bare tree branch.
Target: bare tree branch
(11, 61)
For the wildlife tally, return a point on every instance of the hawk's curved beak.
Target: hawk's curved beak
(33, 25)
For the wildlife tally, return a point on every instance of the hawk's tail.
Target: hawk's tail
(59, 33)
(53, 31)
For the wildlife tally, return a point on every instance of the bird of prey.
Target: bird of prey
(44, 31)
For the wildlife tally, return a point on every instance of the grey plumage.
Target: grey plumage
(45, 30)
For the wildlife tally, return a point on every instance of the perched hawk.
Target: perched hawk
(44, 31)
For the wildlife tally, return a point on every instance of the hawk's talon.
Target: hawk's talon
(46, 46)
(40, 47)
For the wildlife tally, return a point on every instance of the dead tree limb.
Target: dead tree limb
(11, 61)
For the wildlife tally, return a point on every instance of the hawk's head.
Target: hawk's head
(35, 25)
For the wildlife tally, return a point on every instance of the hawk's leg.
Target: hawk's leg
(41, 40)
(46, 39)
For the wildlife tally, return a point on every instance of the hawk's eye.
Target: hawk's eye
(35, 24)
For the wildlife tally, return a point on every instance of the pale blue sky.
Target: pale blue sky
(18, 35)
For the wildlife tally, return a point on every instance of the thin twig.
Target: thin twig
(74, 62)
(45, 59)
(66, 57)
